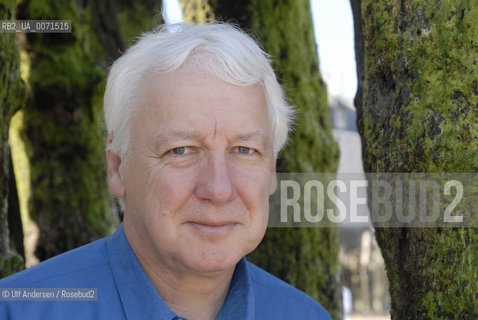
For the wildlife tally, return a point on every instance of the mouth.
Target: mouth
(213, 229)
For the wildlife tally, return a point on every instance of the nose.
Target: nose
(215, 183)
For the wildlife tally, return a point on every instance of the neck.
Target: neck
(190, 295)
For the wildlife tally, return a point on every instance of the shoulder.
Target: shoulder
(84, 267)
(275, 297)
(66, 269)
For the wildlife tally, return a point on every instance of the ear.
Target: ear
(115, 180)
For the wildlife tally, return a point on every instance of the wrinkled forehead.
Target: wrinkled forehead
(201, 63)
(198, 96)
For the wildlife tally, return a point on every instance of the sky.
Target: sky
(334, 33)
(333, 27)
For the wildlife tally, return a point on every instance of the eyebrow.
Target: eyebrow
(175, 134)
(255, 135)
(163, 137)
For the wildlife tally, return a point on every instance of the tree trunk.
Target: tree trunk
(419, 113)
(137, 16)
(15, 227)
(63, 125)
(306, 258)
(63, 131)
(198, 11)
(12, 96)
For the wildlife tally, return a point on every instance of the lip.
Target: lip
(212, 228)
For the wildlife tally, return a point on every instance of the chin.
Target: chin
(215, 261)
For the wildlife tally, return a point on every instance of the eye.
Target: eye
(244, 150)
(179, 151)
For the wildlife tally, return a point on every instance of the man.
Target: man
(195, 119)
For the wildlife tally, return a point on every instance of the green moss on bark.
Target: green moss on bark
(198, 11)
(421, 63)
(420, 114)
(136, 17)
(63, 132)
(10, 264)
(12, 96)
(286, 31)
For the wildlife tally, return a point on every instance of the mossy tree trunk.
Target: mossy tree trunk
(15, 227)
(63, 130)
(419, 113)
(12, 96)
(136, 17)
(306, 258)
(63, 126)
(198, 11)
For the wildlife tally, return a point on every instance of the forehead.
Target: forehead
(188, 98)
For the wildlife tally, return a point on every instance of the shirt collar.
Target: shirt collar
(140, 299)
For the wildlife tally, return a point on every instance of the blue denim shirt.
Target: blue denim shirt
(125, 292)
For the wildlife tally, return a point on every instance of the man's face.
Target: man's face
(199, 173)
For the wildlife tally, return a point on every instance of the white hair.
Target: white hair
(222, 49)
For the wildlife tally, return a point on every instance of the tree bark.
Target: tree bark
(419, 113)
(12, 96)
(63, 130)
(198, 11)
(137, 16)
(306, 258)
(356, 6)
(15, 227)
(63, 125)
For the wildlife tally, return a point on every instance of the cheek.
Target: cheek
(167, 190)
(253, 183)
(165, 196)
(253, 190)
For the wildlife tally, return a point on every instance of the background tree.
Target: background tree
(62, 122)
(12, 95)
(418, 72)
(63, 126)
(306, 258)
(198, 11)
